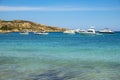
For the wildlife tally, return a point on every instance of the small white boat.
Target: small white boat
(80, 30)
(69, 32)
(89, 31)
(40, 33)
(106, 30)
(24, 32)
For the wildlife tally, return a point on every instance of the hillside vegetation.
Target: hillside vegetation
(19, 25)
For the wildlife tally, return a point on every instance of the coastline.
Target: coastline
(20, 25)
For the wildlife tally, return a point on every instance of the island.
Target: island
(20, 25)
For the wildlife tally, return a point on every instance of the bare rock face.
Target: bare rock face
(19, 25)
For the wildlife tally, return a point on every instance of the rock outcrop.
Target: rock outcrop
(19, 25)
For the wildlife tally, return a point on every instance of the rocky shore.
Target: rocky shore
(20, 25)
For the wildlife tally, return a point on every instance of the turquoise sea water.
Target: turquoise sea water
(59, 56)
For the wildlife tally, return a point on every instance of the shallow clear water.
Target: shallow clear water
(59, 56)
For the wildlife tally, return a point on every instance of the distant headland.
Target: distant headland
(20, 25)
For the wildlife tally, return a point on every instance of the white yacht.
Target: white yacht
(41, 33)
(106, 30)
(69, 32)
(24, 32)
(89, 31)
(79, 30)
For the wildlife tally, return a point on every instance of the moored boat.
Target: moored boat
(79, 30)
(106, 30)
(89, 31)
(69, 32)
(24, 32)
(41, 33)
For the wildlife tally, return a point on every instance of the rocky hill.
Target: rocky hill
(20, 25)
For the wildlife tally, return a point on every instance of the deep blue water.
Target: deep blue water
(59, 56)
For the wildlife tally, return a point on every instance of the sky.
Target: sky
(71, 14)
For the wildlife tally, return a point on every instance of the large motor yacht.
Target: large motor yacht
(89, 31)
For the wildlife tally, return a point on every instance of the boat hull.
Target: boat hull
(41, 33)
(107, 32)
(26, 33)
(87, 33)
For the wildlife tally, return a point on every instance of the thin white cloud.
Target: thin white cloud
(23, 8)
